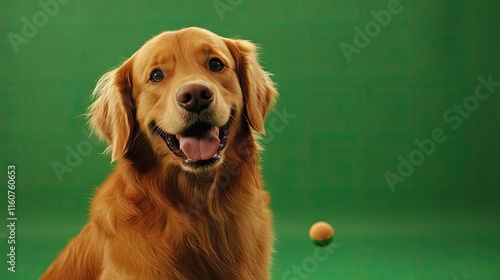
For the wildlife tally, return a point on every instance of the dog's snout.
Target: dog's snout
(195, 97)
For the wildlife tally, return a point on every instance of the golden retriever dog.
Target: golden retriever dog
(182, 117)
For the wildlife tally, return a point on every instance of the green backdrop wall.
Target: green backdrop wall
(387, 126)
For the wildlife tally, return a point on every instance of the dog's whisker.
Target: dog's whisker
(139, 144)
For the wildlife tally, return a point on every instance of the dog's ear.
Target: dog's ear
(259, 92)
(111, 115)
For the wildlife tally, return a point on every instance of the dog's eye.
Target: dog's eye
(156, 76)
(215, 65)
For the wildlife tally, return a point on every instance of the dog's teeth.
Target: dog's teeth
(178, 137)
(216, 131)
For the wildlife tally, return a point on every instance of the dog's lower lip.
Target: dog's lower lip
(199, 163)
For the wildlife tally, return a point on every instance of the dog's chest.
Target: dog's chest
(218, 250)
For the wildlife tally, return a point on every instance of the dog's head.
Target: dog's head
(185, 95)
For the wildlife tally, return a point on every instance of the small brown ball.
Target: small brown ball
(321, 233)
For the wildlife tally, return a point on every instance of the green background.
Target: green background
(351, 123)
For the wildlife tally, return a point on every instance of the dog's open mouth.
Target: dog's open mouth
(198, 145)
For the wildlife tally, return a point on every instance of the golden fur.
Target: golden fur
(155, 217)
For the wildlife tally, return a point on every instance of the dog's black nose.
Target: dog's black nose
(195, 97)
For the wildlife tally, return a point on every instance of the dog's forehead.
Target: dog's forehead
(194, 39)
(195, 33)
(184, 43)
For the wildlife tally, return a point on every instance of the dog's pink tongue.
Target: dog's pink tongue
(201, 146)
